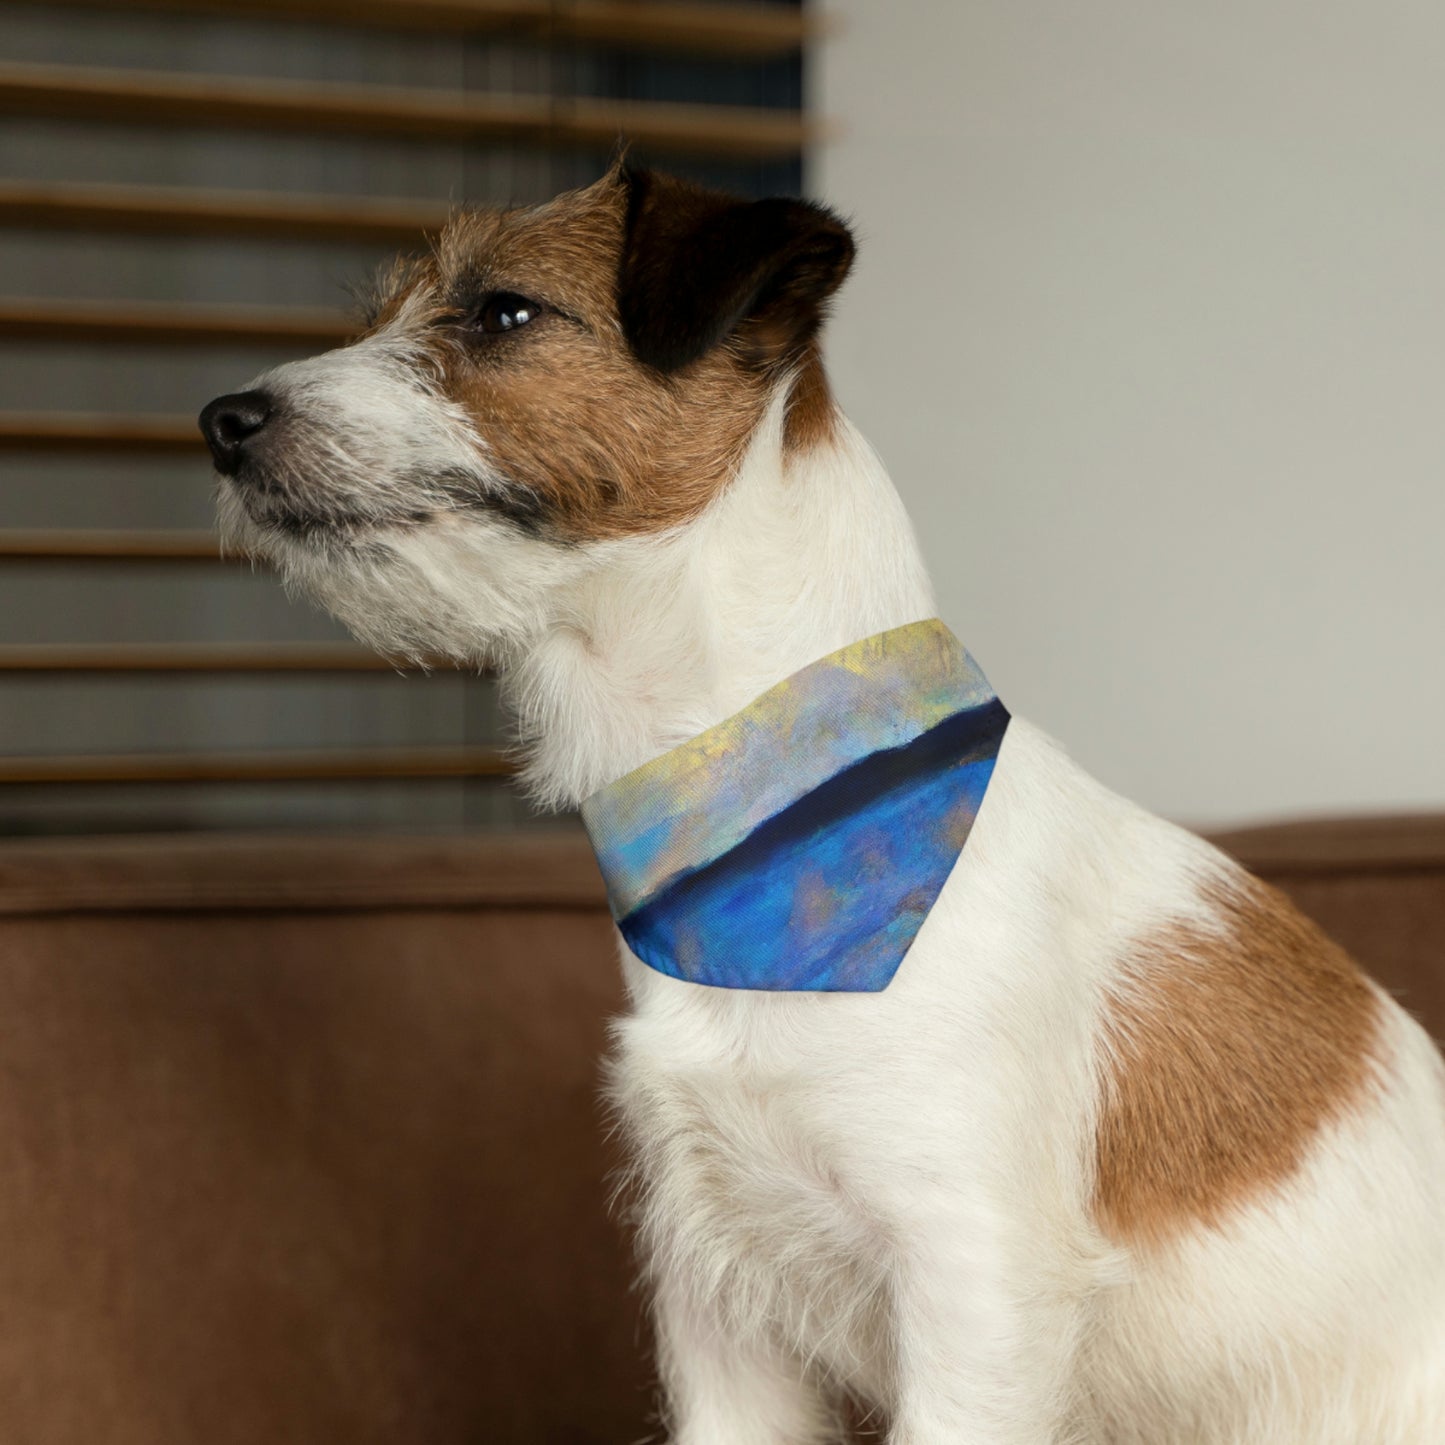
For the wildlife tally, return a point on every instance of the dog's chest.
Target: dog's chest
(748, 1185)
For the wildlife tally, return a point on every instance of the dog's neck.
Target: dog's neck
(804, 553)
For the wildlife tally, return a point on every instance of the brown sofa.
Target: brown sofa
(300, 1142)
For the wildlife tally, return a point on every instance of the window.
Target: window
(188, 192)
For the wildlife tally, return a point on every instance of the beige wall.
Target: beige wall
(1149, 324)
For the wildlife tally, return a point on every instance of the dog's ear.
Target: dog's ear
(699, 266)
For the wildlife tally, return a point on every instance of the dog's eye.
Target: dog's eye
(505, 311)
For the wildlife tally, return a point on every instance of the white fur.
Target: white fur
(890, 1194)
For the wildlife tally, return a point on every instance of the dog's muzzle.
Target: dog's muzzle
(231, 424)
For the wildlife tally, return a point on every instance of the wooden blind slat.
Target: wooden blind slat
(754, 31)
(108, 546)
(93, 431)
(359, 764)
(169, 323)
(705, 29)
(160, 98)
(181, 657)
(175, 211)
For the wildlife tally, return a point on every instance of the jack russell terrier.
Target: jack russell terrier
(955, 1085)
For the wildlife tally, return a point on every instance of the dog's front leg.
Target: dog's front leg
(721, 1389)
(985, 1344)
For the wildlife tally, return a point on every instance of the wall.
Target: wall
(1149, 324)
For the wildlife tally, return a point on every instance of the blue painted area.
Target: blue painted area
(689, 806)
(828, 894)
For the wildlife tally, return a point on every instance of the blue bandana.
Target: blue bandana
(800, 843)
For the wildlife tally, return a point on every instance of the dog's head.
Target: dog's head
(546, 383)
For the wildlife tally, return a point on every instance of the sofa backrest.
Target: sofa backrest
(301, 1143)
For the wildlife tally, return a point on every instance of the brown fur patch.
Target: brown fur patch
(812, 413)
(596, 443)
(598, 446)
(1228, 1051)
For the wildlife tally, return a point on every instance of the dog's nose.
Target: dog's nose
(229, 422)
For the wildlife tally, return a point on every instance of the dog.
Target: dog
(1126, 1152)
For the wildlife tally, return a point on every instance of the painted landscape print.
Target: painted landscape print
(799, 844)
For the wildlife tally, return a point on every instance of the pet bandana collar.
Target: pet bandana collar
(799, 844)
